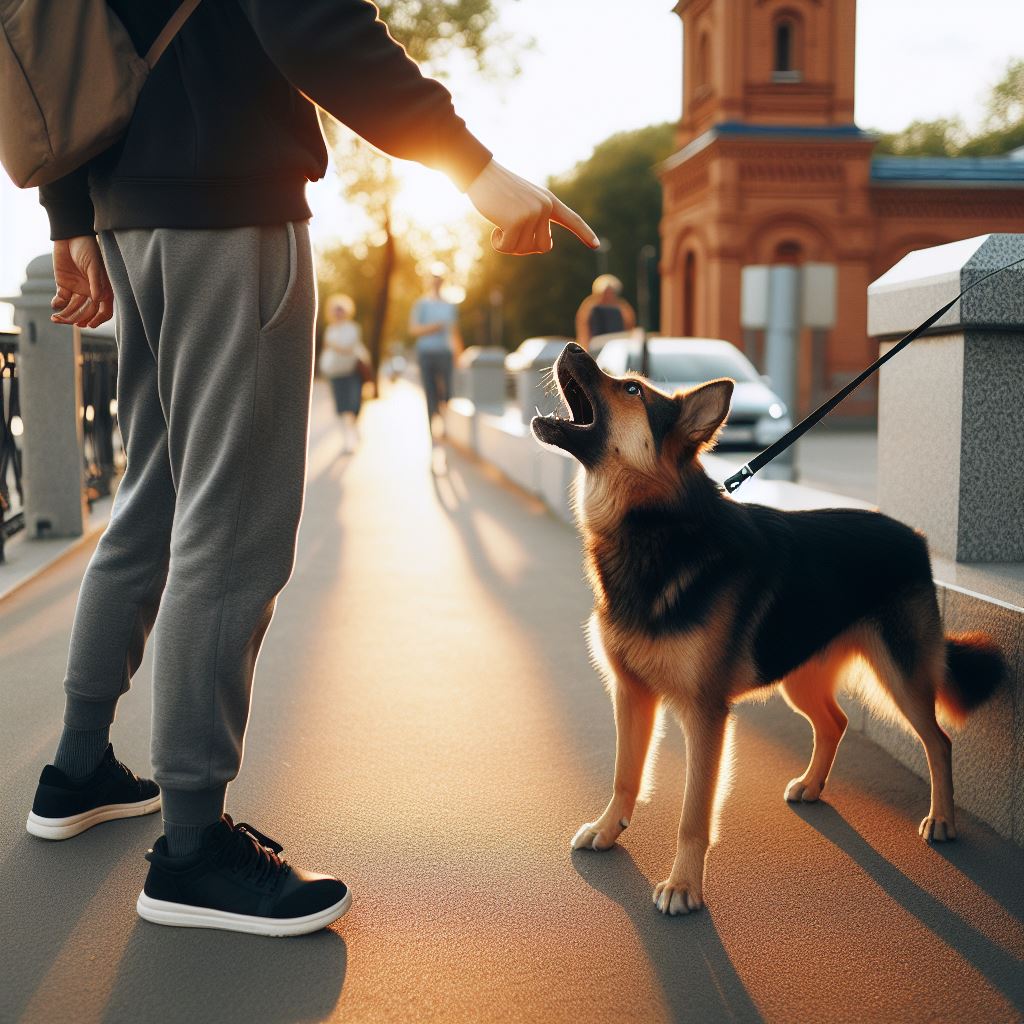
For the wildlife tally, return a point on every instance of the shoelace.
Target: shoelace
(119, 766)
(252, 853)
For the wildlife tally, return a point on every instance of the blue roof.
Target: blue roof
(952, 170)
(740, 129)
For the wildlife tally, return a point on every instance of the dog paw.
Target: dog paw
(673, 898)
(935, 829)
(595, 835)
(803, 791)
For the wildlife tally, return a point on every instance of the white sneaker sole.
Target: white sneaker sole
(65, 828)
(183, 915)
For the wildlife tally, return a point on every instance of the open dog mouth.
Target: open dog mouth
(581, 410)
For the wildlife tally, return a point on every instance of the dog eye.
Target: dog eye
(632, 388)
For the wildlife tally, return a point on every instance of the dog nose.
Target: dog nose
(573, 347)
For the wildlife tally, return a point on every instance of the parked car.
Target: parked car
(757, 417)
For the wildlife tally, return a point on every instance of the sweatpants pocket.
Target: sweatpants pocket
(278, 273)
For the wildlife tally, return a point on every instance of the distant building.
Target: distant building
(772, 170)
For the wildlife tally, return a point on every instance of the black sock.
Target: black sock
(183, 840)
(80, 751)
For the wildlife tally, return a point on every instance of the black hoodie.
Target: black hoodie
(226, 132)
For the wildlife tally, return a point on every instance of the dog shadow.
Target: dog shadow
(693, 968)
(1001, 968)
(192, 974)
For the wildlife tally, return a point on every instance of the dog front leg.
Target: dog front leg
(683, 890)
(636, 708)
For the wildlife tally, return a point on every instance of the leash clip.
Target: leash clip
(733, 482)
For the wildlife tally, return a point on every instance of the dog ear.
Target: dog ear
(702, 411)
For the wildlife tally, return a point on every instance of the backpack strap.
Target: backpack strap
(169, 31)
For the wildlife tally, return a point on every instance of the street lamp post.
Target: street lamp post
(644, 258)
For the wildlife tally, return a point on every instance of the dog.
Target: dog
(701, 601)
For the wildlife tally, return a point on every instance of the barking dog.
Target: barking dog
(701, 601)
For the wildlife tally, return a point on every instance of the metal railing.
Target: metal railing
(12, 512)
(102, 451)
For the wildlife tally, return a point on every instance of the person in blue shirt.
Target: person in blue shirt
(434, 323)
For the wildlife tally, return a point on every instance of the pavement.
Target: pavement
(426, 723)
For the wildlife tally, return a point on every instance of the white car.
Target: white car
(757, 417)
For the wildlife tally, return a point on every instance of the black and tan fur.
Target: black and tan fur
(701, 601)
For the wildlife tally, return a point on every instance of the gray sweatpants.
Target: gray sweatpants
(215, 348)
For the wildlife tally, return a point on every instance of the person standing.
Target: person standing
(345, 362)
(603, 311)
(202, 229)
(434, 323)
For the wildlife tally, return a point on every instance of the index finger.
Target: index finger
(561, 214)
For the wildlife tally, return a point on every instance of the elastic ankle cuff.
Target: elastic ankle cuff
(193, 806)
(88, 714)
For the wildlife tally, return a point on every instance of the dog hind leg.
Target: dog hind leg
(810, 691)
(636, 708)
(914, 692)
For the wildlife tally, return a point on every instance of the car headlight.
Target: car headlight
(776, 410)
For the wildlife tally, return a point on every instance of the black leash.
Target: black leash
(773, 451)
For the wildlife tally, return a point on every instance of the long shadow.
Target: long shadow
(45, 889)
(1002, 969)
(192, 975)
(995, 865)
(693, 968)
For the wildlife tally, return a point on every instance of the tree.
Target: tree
(942, 137)
(617, 191)
(1002, 131)
(431, 33)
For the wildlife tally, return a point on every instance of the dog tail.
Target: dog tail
(975, 667)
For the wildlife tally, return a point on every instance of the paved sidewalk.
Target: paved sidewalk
(427, 724)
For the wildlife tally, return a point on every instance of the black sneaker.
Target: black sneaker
(237, 882)
(63, 806)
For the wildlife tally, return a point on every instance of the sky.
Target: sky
(595, 70)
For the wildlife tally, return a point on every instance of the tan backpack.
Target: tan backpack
(69, 81)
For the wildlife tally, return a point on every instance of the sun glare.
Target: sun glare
(427, 198)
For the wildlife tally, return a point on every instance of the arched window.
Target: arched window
(704, 61)
(784, 45)
(786, 40)
(789, 252)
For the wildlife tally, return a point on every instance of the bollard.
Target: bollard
(49, 373)
(531, 365)
(950, 418)
(481, 373)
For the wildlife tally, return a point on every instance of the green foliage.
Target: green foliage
(618, 193)
(1006, 101)
(431, 30)
(1002, 132)
(942, 137)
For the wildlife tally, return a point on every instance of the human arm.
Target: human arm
(84, 296)
(628, 315)
(68, 205)
(418, 330)
(458, 344)
(340, 55)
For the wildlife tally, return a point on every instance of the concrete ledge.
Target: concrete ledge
(28, 557)
(988, 753)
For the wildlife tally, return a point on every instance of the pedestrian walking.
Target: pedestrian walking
(201, 218)
(603, 311)
(434, 323)
(346, 363)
